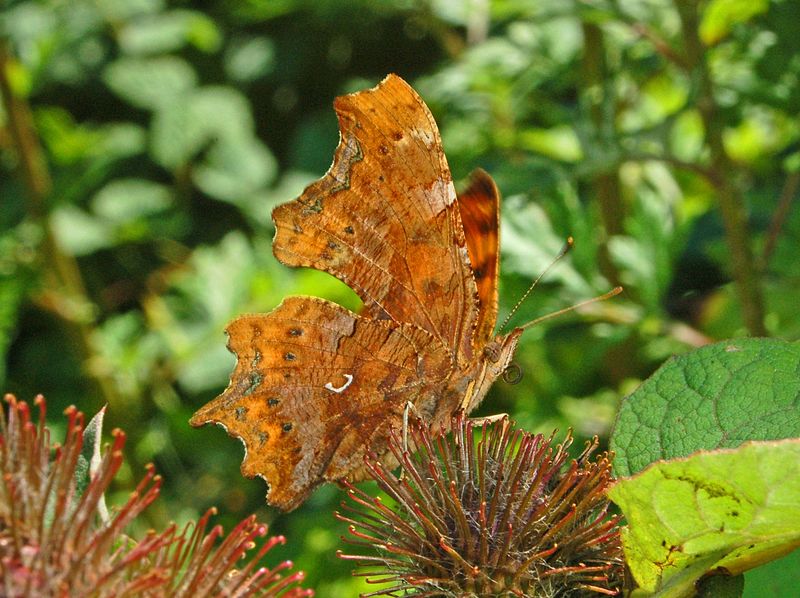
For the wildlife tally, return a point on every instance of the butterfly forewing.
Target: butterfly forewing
(384, 219)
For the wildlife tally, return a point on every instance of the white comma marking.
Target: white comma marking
(348, 382)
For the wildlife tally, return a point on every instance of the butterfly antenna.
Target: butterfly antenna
(564, 251)
(612, 293)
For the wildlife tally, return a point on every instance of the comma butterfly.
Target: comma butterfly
(316, 385)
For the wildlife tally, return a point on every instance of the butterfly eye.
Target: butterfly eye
(512, 374)
(492, 352)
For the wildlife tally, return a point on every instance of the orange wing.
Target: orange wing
(314, 386)
(384, 218)
(479, 205)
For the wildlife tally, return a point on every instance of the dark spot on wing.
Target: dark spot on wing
(311, 208)
(487, 226)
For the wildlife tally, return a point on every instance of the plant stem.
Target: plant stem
(600, 106)
(66, 296)
(723, 173)
(780, 216)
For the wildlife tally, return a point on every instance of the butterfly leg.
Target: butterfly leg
(467, 397)
(408, 409)
(488, 419)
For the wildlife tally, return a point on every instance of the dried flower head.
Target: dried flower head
(504, 514)
(58, 539)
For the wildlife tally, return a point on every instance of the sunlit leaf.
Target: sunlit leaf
(730, 509)
(722, 15)
(559, 143)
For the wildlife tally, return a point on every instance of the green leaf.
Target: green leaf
(181, 128)
(123, 200)
(720, 586)
(18, 253)
(120, 10)
(729, 510)
(120, 140)
(79, 233)
(249, 58)
(168, 32)
(720, 16)
(150, 83)
(236, 169)
(759, 134)
(68, 141)
(129, 352)
(776, 578)
(89, 461)
(12, 294)
(715, 397)
(71, 142)
(559, 143)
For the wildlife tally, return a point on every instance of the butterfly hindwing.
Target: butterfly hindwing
(314, 384)
(479, 205)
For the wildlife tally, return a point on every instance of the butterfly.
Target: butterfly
(316, 385)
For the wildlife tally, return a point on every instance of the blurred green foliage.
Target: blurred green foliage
(662, 136)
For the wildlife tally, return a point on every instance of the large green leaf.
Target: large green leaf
(716, 397)
(723, 511)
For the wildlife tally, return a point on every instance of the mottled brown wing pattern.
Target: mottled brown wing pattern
(479, 205)
(313, 385)
(384, 219)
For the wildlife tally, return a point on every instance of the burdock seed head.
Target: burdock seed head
(487, 511)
